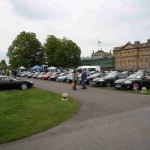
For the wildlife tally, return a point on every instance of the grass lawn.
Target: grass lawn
(26, 112)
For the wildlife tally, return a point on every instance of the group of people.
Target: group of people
(8, 72)
(75, 79)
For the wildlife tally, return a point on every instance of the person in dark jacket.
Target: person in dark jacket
(83, 77)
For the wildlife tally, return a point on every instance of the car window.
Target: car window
(5, 78)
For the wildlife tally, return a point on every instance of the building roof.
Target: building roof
(129, 45)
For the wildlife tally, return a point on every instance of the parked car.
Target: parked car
(91, 77)
(40, 75)
(7, 82)
(53, 74)
(134, 81)
(69, 78)
(46, 76)
(30, 74)
(108, 80)
(62, 78)
(23, 74)
(35, 75)
(54, 77)
(79, 77)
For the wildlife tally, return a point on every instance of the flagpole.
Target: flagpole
(98, 45)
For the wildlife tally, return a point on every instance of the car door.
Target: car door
(146, 82)
(7, 83)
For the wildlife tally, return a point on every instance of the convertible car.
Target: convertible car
(7, 82)
(134, 81)
(108, 80)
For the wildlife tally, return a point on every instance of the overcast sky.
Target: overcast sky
(113, 22)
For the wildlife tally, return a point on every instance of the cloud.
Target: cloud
(36, 9)
(114, 23)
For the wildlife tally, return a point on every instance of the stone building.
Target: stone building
(100, 54)
(103, 59)
(132, 56)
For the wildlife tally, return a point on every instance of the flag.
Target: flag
(99, 42)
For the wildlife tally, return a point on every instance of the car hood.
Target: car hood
(62, 77)
(97, 79)
(121, 80)
(18, 80)
(127, 79)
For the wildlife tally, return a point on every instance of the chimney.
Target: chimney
(137, 42)
(148, 40)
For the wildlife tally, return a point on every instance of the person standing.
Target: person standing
(7, 72)
(83, 78)
(74, 79)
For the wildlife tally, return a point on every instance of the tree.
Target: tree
(68, 55)
(25, 50)
(51, 45)
(3, 64)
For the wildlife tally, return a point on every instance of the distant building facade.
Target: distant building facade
(132, 56)
(103, 59)
(100, 54)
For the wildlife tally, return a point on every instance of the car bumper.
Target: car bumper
(97, 83)
(122, 86)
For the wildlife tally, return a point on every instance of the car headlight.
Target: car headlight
(128, 82)
(101, 80)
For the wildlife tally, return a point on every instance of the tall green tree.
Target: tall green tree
(68, 55)
(25, 50)
(3, 64)
(51, 46)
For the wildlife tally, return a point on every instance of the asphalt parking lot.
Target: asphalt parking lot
(106, 120)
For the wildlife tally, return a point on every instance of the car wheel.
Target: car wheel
(90, 82)
(135, 86)
(65, 80)
(23, 86)
(108, 84)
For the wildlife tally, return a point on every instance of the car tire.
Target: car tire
(90, 82)
(23, 86)
(108, 84)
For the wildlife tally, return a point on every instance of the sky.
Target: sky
(112, 22)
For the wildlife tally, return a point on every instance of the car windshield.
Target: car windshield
(7, 78)
(61, 74)
(69, 75)
(95, 75)
(111, 75)
(135, 76)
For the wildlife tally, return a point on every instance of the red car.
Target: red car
(46, 76)
(49, 74)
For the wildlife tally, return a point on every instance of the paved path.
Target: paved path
(106, 120)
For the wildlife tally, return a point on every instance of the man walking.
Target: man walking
(83, 77)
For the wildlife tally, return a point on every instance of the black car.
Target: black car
(7, 82)
(108, 80)
(91, 77)
(135, 81)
